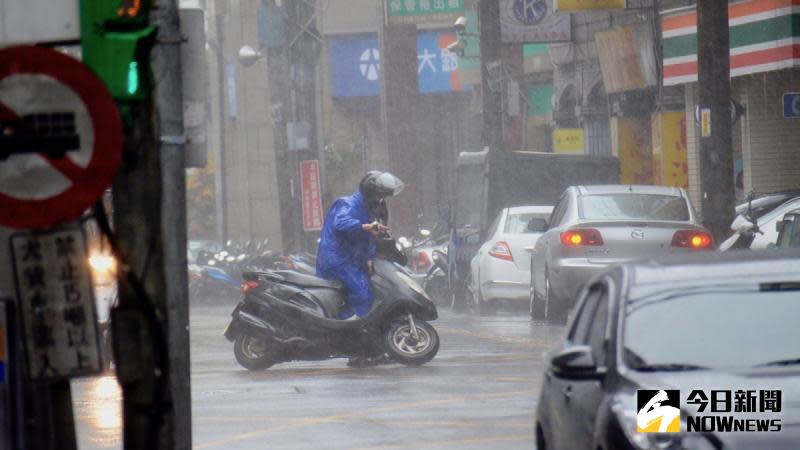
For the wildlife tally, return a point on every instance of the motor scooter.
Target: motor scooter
(292, 316)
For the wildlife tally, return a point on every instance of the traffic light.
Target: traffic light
(116, 39)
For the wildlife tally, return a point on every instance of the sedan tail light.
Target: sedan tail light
(248, 286)
(501, 250)
(692, 239)
(577, 237)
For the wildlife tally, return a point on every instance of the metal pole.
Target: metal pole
(169, 104)
(151, 337)
(716, 148)
(492, 136)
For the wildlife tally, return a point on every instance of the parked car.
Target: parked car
(593, 227)
(501, 268)
(659, 326)
(763, 203)
(760, 232)
(789, 230)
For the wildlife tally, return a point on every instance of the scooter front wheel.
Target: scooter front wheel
(252, 353)
(412, 345)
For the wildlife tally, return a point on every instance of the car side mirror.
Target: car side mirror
(780, 225)
(576, 362)
(537, 225)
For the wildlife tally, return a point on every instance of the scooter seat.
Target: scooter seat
(302, 279)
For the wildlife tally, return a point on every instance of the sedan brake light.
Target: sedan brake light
(581, 236)
(692, 239)
(501, 250)
(248, 286)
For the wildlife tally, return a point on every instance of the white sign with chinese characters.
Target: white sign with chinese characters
(56, 297)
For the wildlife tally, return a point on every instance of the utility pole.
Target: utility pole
(716, 148)
(150, 324)
(491, 92)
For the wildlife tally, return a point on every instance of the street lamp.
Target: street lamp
(248, 55)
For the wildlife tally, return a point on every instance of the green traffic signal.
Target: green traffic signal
(116, 40)
(133, 77)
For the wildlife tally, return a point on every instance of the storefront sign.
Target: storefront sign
(764, 37)
(356, 68)
(437, 67)
(568, 140)
(791, 105)
(587, 5)
(670, 153)
(627, 59)
(311, 195)
(419, 12)
(533, 21)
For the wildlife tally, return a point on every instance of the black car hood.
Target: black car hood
(785, 379)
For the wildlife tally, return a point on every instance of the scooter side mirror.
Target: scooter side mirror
(440, 260)
(741, 225)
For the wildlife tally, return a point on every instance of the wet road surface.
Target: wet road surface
(479, 391)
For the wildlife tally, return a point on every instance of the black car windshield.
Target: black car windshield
(630, 206)
(715, 328)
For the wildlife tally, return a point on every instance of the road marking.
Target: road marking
(363, 413)
(494, 337)
(510, 438)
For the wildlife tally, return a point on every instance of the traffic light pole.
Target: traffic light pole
(716, 147)
(151, 337)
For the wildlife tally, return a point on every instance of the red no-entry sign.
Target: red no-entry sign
(55, 99)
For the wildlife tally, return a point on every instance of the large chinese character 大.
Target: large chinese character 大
(426, 60)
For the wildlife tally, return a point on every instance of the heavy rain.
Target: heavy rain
(390, 224)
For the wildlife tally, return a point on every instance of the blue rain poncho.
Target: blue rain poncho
(344, 250)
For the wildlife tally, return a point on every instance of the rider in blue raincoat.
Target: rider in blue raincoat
(347, 245)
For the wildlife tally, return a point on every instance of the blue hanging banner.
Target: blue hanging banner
(355, 66)
(437, 67)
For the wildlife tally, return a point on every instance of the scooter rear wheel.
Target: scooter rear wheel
(403, 347)
(252, 353)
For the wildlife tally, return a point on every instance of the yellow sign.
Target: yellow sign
(587, 5)
(705, 122)
(568, 140)
(670, 153)
(630, 142)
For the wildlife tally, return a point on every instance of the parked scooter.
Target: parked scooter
(436, 282)
(289, 316)
(746, 225)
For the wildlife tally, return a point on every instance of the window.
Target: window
(518, 223)
(597, 332)
(590, 326)
(580, 329)
(634, 206)
(558, 212)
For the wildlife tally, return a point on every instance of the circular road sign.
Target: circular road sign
(72, 144)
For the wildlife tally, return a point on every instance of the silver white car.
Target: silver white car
(593, 227)
(767, 236)
(501, 267)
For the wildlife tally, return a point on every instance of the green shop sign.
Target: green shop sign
(423, 11)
